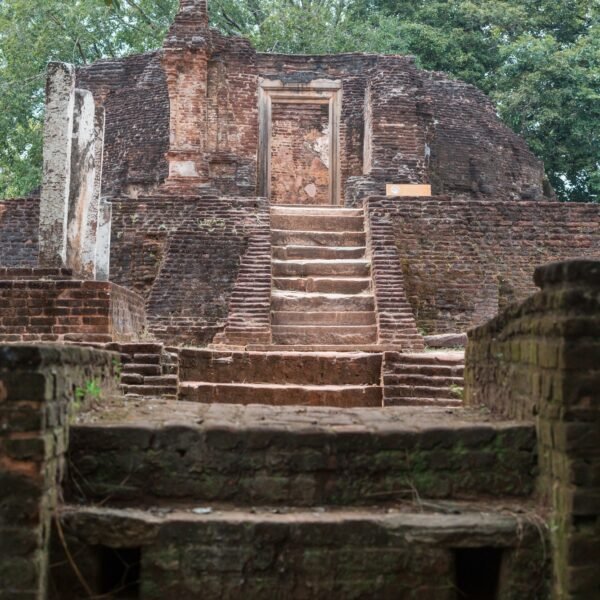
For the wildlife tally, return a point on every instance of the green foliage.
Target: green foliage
(538, 59)
(91, 389)
(77, 31)
(456, 391)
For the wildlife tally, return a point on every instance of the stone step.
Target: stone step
(298, 301)
(456, 370)
(321, 348)
(419, 391)
(150, 390)
(306, 268)
(280, 367)
(330, 211)
(281, 394)
(324, 334)
(142, 369)
(323, 318)
(317, 252)
(316, 222)
(339, 285)
(189, 552)
(318, 238)
(443, 358)
(295, 456)
(390, 400)
(442, 381)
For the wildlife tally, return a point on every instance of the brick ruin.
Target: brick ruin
(253, 275)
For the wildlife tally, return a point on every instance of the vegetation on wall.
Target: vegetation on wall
(539, 60)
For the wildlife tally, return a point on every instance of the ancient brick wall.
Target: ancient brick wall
(395, 319)
(37, 400)
(39, 306)
(398, 130)
(183, 255)
(300, 154)
(465, 260)
(540, 358)
(19, 222)
(232, 116)
(469, 152)
(133, 92)
(422, 127)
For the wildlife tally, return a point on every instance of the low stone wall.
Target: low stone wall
(543, 358)
(40, 388)
(37, 305)
(463, 261)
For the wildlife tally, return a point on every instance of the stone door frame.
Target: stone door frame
(319, 91)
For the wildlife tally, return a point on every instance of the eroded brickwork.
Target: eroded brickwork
(19, 221)
(46, 305)
(422, 127)
(37, 399)
(183, 254)
(464, 260)
(541, 358)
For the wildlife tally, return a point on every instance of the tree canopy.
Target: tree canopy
(539, 60)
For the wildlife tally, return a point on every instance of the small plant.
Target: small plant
(211, 224)
(91, 389)
(456, 391)
(117, 368)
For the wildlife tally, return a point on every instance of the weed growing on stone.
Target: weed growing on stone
(457, 391)
(91, 389)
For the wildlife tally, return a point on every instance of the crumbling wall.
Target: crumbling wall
(40, 388)
(422, 126)
(183, 255)
(48, 305)
(133, 91)
(465, 260)
(541, 358)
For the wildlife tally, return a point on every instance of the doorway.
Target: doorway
(299, 142)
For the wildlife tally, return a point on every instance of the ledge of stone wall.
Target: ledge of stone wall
(41, 305)
(542, 358)
(40, 389)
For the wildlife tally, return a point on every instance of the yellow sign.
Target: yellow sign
(407, 189)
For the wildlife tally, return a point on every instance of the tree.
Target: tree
(77, 31)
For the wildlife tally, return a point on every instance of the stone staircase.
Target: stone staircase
(342, 379)
(322, 292)
(423, 379)
(185, 500)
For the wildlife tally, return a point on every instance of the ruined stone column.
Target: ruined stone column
(58, 127)
(187, 49)
(91, 226)
(83, 175)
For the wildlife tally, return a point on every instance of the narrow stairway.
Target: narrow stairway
(322, 291)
